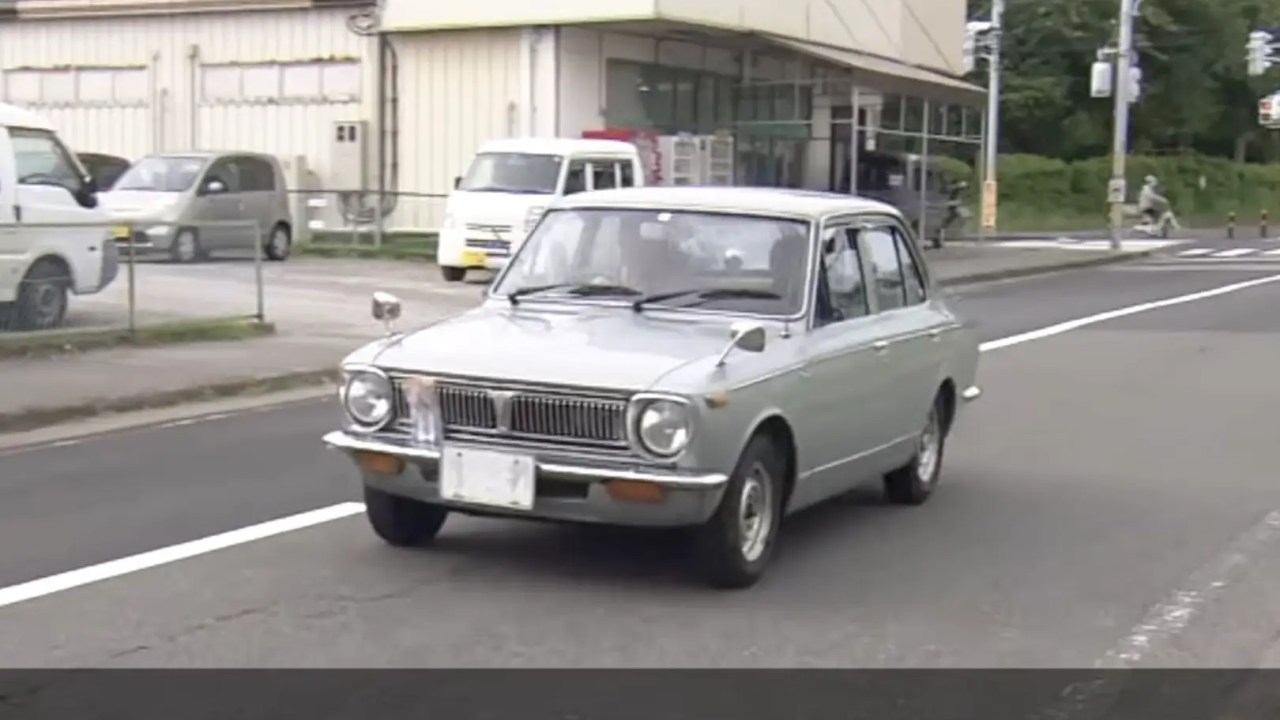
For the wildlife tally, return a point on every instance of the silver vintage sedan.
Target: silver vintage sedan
(709, 358)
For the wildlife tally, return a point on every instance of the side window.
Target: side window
(886, 269)
(225, 171)
(42, 160)
(843, 266)
(914, 279)
(256, 175)
(604, 175)
(576, 180)
(628, 173)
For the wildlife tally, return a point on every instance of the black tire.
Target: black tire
(722, 559)
(913, 483)
(453, 274)
(402, 522)
(42, 299)
(186, 247)
(279, 243)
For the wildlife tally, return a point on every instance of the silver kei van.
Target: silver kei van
(180, 203)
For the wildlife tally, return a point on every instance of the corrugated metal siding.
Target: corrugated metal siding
(164, 44)
(457, 90)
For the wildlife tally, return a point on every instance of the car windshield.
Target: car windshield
(162, 173)
(658, 258)
(513, 173)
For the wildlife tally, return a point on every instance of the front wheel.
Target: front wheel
(736, 544)
(914, 482)
(400, 521)
(453, 274)
(42, 298)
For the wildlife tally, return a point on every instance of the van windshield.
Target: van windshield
(513, 173)
(162, 173)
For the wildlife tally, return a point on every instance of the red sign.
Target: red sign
(645, 140)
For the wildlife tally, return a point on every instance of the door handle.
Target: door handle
(880, 345)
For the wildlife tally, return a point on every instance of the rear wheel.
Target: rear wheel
(279, 243)
(400, 521)
(185, 247)
(453, 274)
(736, 544)
(914, 482)
(42, 299)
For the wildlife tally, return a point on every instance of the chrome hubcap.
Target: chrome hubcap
(755, 513)
(186, 246)
(930, 442)
(278, 242)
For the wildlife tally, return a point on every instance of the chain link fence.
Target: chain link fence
(69, 277)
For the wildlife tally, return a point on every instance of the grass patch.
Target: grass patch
(59, 342)
(419, 247)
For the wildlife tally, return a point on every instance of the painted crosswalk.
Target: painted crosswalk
(1230, 253)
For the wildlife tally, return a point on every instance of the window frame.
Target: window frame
(844, 227)
(862, 221)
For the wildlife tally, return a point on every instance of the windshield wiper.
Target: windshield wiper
(706, 295)
(580, 290)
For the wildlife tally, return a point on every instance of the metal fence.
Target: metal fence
(69, 277)
(335, 216)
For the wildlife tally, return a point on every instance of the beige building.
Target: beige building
(784, 80)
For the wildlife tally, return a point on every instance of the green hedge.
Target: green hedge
(1038, 189)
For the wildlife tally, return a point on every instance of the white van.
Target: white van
(509, 185)
(41, 181)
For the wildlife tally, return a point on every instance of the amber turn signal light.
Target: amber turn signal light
(380, 463)
(636, 491)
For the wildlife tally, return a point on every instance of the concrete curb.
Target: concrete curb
(37, 418)
(1033, 270)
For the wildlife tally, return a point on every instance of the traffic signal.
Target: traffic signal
(1258, 52)
(972, 32)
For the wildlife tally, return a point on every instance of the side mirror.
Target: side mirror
(746, 336)
(214, 187)
(457, 182)
(386, 309)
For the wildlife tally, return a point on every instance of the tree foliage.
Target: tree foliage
(1196, 95)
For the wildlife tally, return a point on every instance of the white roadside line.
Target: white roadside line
(135, 563)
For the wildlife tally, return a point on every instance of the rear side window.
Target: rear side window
(256, 175)
(576, 180)
(604, 174)
(628, 173)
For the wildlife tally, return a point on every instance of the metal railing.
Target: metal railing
(96, 276)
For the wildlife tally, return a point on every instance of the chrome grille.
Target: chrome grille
(568, 418)
(481, 227)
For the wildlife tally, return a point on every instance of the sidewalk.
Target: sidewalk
(39, 393)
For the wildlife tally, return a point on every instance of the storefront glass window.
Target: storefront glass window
(659, 102)
(686, 100)
(624, 88)
(707, 87)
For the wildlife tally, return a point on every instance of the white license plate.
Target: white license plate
(484, 477)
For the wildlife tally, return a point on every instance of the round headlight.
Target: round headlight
(664, 427)
(368, 398)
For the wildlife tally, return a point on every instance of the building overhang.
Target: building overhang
(64, 9)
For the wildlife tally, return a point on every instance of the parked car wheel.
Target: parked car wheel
(736, 544)
(453, 274)
(186, 247)
(402, 522)
(279, 243)
(42, 300)
(914, 482)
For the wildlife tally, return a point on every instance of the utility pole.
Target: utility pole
(1116, 190)
(989, 184)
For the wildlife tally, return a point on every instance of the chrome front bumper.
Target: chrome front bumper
(566, 490)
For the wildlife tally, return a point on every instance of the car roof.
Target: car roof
(14, 116)
(749, 200)
(558, 146)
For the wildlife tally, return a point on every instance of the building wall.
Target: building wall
(923, 32)
(272, 81)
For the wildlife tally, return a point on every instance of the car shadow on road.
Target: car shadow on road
(652, 559)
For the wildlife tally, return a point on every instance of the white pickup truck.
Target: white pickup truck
(54, 239)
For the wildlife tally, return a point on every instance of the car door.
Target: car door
(842, 385)
(909, 334)
(212, 209)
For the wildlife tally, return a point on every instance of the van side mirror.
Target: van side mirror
(214, 187)
(457, 182)
(87, 194)
(746, 336)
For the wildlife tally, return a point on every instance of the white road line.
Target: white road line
(1235, 252)
(1272, 252)
(1195, 251)
(1078, 323)
(124, 566)
(15, 594)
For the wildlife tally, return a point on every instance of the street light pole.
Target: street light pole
(989, 187)
(1116, 190)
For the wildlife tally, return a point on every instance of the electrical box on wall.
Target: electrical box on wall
(348, 160)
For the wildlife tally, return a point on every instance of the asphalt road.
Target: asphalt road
(1106, 502)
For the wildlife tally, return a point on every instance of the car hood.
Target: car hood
(137, 203)
(605, 347)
